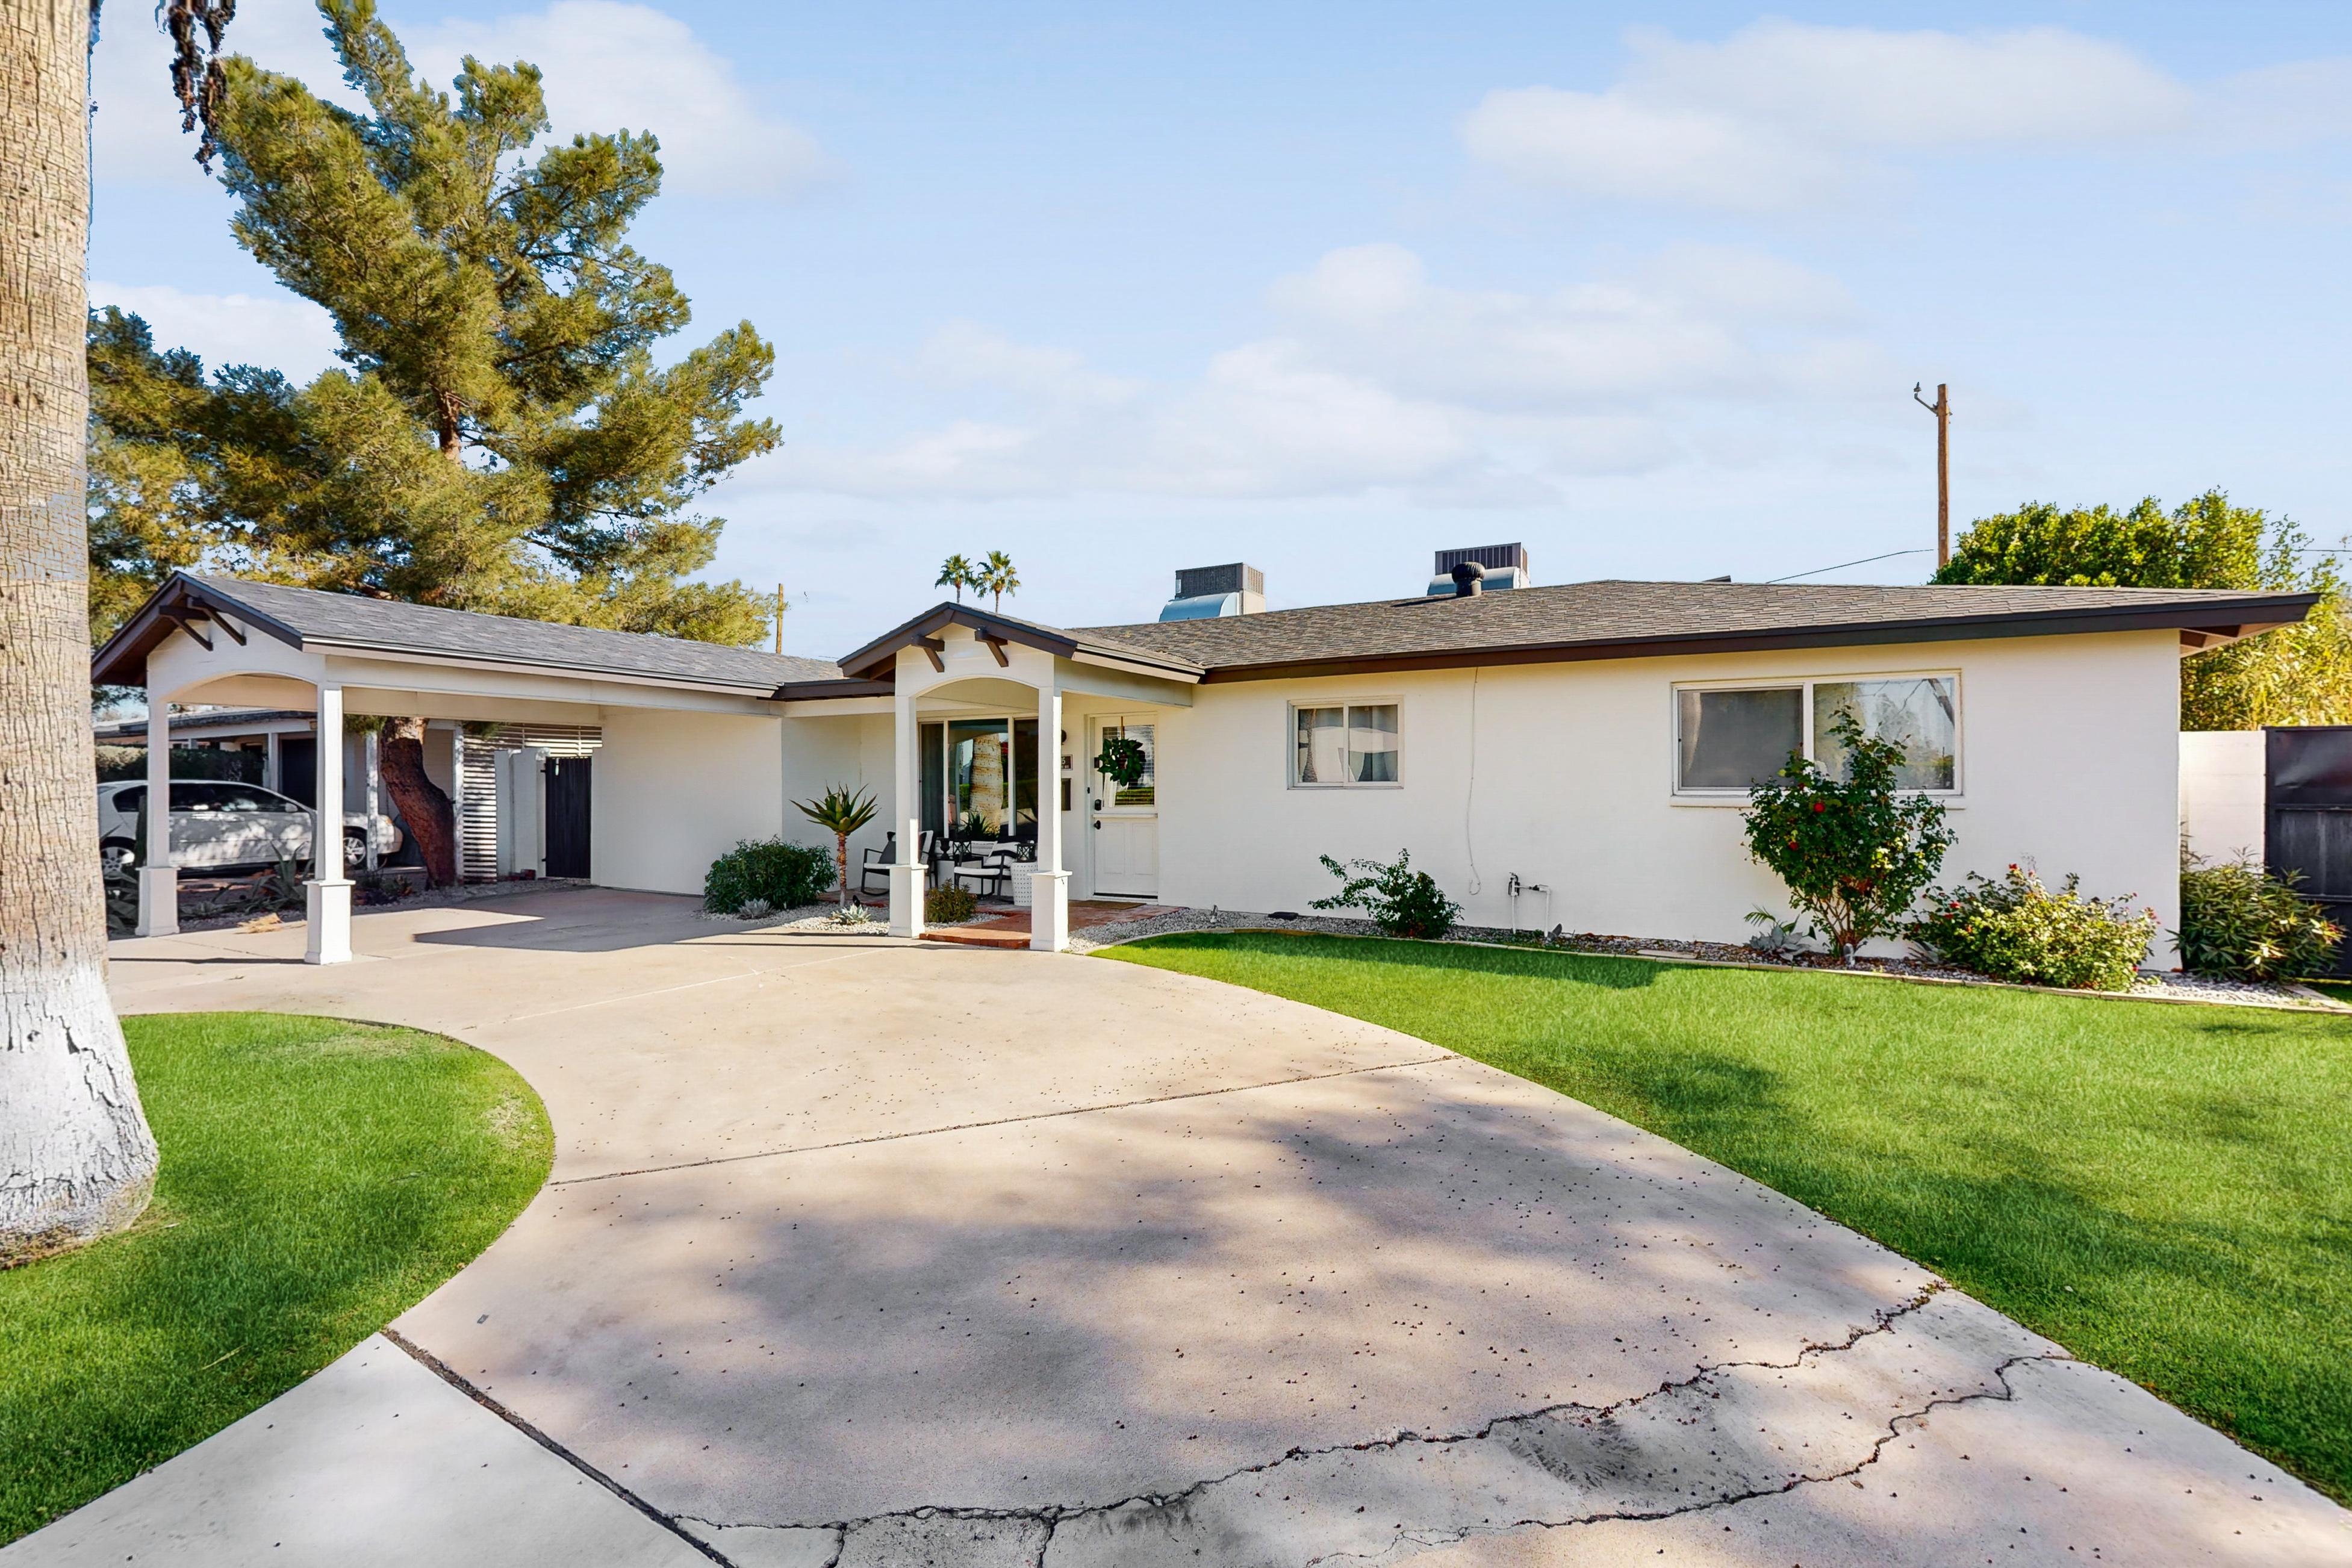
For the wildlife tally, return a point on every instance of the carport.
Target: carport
(203, 640)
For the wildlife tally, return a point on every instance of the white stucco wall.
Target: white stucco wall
(2223, 793)
(819, 754)
(2069, 757)
(670, 791)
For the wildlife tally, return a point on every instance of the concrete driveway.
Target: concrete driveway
(859, 1252)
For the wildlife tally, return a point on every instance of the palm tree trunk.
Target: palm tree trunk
(76, 1158)
(841, 865)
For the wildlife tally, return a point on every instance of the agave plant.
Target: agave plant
(840, 812)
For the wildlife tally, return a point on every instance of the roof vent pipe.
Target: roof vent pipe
(1469, 579)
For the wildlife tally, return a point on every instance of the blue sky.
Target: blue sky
(1328, 288)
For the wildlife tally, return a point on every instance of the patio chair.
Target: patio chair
(990, 876)
(878, 862)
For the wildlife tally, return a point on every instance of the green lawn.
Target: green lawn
(319, 1177)
(2165, 1190)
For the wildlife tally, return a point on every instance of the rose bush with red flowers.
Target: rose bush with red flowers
(1854, 851)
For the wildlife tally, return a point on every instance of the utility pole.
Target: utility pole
(1942, 409)
(779, 617)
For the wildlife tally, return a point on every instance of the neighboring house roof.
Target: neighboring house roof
(232, 719)
(1630, 620)
(350, 623)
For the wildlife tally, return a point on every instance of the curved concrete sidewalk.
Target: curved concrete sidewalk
(860, 1251)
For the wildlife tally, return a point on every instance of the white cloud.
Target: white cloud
(1378, 379)
(610, 66)
(964, 353)
(606, 66)
(1687, 324)
(278, 331)
(1783, 115)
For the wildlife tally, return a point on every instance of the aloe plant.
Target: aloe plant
(840, 812)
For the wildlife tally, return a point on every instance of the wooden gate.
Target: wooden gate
(2308, 825)
(567, 817)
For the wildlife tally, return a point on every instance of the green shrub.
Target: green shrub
(947, 905)
(1854, 851)
(2238, 922)
(1400, 901)
(787, 875)
(2016, 929)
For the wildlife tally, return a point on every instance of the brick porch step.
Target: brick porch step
(980, 936)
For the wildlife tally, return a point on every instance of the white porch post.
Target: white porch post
(271, 775)
(328, 895)
(375, 790)
(1049, 884)
(158, 879)
(908, 875)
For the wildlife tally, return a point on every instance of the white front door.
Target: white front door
(1125, 815)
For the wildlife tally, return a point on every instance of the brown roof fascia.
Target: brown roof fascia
(831, 690)
(2016, 623)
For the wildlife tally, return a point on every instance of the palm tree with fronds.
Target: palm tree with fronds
(840, 812)
(958, 573)
(997, 577)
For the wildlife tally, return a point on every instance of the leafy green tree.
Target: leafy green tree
(1854, 850)
(500, 438)
(2297, 675)
(997, 578)
(958, 574)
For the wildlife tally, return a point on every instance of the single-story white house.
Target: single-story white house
(1571, 755)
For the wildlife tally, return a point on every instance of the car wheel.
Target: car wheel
(354, 850)
(120, 857)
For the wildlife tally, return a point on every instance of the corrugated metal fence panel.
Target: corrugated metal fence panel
(478, 810)
(555, 740)
(477, 784)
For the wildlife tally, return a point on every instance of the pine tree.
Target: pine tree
(500, 437)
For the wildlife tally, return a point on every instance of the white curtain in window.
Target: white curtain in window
(1372, 743)
(1322, 745)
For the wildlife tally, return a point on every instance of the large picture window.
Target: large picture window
(1355, 743)
(1729, 739)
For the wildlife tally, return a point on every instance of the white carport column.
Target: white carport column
(1049, 884)
(908, 875)
(327, 896)
(158, 879)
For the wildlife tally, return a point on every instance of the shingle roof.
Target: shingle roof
(880, 656)
(348, 622)
(1626, 619)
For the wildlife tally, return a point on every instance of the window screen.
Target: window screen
(1917, 713)
(1736, 740)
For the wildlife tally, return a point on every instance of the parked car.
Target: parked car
(217, 827)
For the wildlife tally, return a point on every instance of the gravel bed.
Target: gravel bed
(2160, 986)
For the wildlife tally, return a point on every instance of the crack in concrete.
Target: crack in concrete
(1895, 1426)
(1585, 1449)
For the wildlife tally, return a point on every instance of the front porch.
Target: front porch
(993, 727)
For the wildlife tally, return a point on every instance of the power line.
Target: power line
(1843, 565)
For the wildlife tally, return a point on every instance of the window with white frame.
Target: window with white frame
(1728, 739)
(1343, 744)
